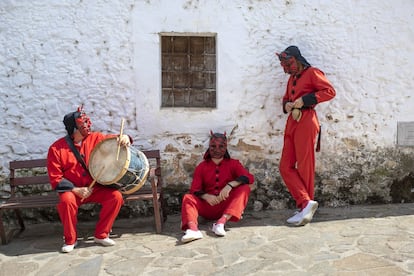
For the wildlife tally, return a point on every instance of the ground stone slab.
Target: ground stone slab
(368, 265)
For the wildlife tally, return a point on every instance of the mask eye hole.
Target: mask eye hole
(286, 62)
(284, 56)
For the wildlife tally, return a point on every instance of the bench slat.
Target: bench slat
(34, 201)
(23, 164)
(29, 180)
(139, 196)
(152, 153)
(30, 204)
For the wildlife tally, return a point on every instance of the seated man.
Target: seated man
(69, 176)
(219, 190)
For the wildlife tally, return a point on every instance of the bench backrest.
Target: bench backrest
(33, 172)
(22, 173)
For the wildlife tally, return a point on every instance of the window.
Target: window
(188, 70)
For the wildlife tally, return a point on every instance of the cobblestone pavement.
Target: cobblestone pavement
(358, 240)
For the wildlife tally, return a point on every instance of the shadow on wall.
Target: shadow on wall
(402, 191)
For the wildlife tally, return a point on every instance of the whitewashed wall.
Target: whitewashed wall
(106, 55)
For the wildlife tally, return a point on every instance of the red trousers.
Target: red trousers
(297, 164)
(111, 201)
(193, 206)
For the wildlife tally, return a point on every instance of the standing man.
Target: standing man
(307, 86)
(67, 163)
(219, 190)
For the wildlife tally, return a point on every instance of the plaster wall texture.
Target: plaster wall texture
(56, 55)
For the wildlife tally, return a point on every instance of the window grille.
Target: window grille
(188, 71)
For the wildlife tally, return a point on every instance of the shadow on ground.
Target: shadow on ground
(47, 237)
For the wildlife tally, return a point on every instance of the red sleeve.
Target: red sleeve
(324, 90)
(286, 96)
(240, 170)
(53, 168)
(197, 182)
(56, 154)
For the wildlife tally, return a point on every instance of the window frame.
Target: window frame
(208, 103)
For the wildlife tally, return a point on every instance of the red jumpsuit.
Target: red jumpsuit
(211, 178)
(65, 172)
(297, 164)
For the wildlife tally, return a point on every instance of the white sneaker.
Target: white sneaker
(104, 242)
(191, 235)
(218, 229)
(295, 218)
(308, 212)
(66, 248)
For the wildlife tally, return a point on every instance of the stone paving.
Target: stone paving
(358, 240)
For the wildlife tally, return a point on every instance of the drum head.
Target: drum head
(103, 164)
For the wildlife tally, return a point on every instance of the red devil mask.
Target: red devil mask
(83, 122)
(288, 63)
(217, 147)
(77, 120)
(289, 59)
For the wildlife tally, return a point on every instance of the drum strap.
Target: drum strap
(76, 152)
(318, 143)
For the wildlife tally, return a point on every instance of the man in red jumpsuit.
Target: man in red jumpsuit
(219, 190)
(72, 180)
(307, 86)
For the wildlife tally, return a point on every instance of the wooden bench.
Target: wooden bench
(33, 174)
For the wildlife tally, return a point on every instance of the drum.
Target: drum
(128, 173)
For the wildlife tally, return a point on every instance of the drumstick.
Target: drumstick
(120, 135)
(94, 180)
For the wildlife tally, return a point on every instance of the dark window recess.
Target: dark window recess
(188, 71)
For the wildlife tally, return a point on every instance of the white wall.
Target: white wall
(106, 55)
